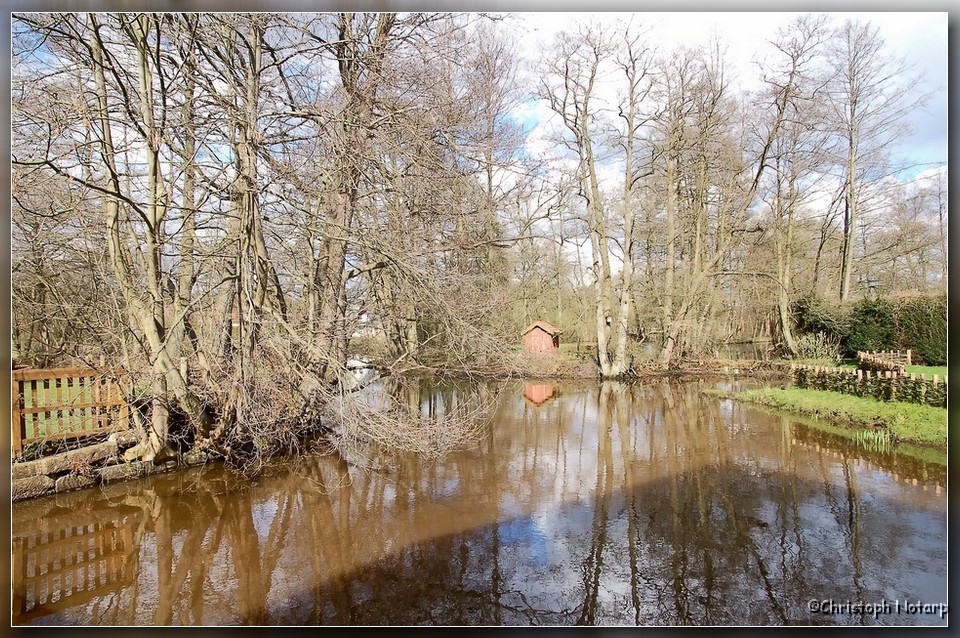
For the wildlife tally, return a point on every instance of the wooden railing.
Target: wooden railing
(892, 360)
(51, 405)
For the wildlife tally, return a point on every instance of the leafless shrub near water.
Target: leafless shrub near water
(399, 420)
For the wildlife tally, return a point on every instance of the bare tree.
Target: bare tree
(869, 103)
(570, 86)
(799, 152)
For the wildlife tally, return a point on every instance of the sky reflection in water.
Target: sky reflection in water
(646, 504)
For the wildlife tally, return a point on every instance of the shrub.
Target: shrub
(872, 326)
(921, 325)
(912, 322)
(813, 315)
(817, 345)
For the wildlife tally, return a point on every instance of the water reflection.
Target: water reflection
(64, 564)
(538, 393)
(608, 504)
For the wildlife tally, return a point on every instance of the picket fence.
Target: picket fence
(53, 405)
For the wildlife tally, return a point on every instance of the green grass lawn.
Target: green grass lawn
(907, 422)
(928, 370)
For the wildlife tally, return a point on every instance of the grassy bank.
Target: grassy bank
(907, 422)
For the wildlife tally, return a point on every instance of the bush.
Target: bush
(921, 326)
(814, 315)
(872, 326)
(916, 322)
(817, 346)
(913, 322)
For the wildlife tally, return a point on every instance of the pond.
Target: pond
(616, 504)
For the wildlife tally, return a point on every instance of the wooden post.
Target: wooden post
(76, 415)
(83, 391)
(124, 414)
(63, 421)
(28, 387)
(909, 357)
(17, 419)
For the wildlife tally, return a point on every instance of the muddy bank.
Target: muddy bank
(560, 370)
(91, 465)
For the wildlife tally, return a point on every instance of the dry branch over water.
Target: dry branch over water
(395, 419)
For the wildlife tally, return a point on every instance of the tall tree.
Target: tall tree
(799, 152)
(868, 97)
(573, 71)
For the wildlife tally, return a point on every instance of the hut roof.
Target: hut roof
(549, 328)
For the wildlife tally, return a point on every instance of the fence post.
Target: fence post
(17, 431)
(909, 357)
(123, 416)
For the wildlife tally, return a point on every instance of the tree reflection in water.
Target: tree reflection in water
(608, 504)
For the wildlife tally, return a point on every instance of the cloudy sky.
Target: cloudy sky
(919, 37)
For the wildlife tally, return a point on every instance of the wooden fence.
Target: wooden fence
(892, 360)
(885, 386)
(68, 567)
(52, 405)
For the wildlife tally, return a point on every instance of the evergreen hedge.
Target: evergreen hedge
(921, 324)
(872, 327)
(914, 322)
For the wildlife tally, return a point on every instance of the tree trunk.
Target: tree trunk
(849, 209)
(359, 68)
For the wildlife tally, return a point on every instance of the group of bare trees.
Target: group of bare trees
(221, 202)
(218, 199)
(735, 204)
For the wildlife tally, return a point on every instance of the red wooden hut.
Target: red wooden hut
(541, 337)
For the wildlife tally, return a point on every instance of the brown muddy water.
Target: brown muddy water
(649, 504)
